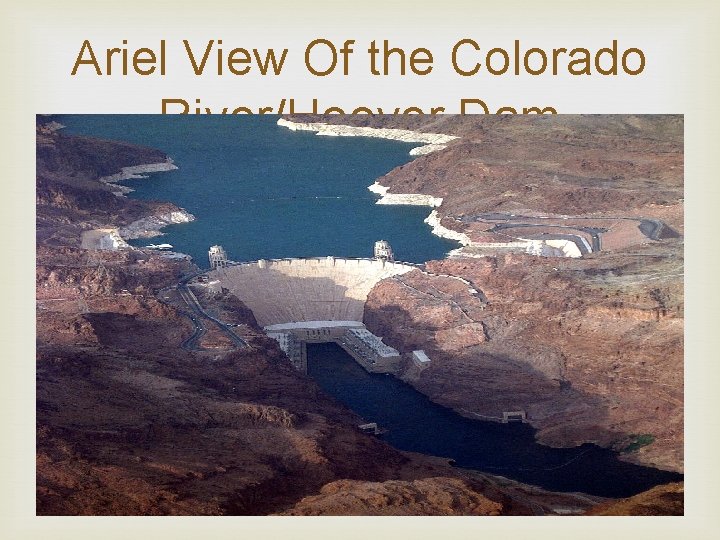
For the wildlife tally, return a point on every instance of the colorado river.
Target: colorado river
(416, 424)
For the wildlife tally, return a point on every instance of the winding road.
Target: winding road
(197, 314)
(654, 229)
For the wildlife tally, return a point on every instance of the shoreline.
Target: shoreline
(115, 238)
(150, 226)
(431, 142)
(434, 220)
(412, 199)
(147, 227)
(134, 172)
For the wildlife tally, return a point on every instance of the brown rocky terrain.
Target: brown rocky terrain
(574, 165)
(427, 497)
(590, 348)
(468, 494)
(666, 500)
(130, 422)
(589, 355)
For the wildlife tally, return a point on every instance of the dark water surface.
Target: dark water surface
(416, 424)
(265, 192)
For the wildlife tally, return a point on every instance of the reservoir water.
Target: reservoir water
(263, 191)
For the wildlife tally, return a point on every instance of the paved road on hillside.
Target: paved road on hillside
(653, 229)
(197, 314)
(192, 302)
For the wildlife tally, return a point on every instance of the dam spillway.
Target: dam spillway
(282, 291)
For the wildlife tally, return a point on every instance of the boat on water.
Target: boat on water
(159, 246)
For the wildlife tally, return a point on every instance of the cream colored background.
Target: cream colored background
(54, 36)
(40, 41)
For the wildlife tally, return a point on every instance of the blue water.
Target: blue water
(263, 191)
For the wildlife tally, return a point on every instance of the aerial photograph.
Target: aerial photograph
(359, 315)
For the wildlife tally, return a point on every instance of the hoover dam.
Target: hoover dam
(303, 290)
(314, 300)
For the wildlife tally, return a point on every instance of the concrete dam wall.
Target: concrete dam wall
(281, 291)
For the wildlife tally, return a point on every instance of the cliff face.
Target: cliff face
(591, 348)
(133, 426)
